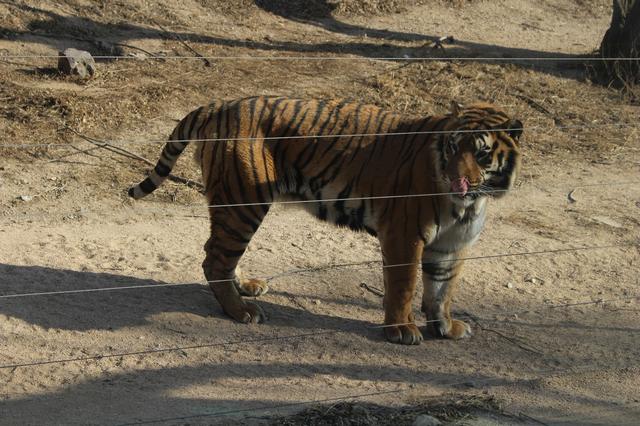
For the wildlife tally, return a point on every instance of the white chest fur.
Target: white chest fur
(460, 226)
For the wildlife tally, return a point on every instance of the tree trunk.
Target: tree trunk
(622, 40)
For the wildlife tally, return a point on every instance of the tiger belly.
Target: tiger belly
(331, 207)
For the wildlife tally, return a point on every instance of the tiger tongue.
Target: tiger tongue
(460, 186)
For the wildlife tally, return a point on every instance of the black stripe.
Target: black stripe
(232, 232)
(297, 107)
(196, 116)
(147, 186)
(225, 251)
(272, 113)
(174, 149)
(162, 169)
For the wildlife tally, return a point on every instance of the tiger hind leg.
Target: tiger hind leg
(231, 231)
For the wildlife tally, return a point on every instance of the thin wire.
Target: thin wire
(268, 339)
(522, 311)
(539, 374)
(321, 268)
(264, 408)
(331, 136)
(337, 58)
(22, 217)
(378, 197)
(161, 350)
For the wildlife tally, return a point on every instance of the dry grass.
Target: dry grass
(447, 409)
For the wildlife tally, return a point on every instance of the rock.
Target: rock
(76, 62)
(509, 285)
(26, 197)
(426, 420)
(533, 280)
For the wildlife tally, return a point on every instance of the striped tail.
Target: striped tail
(160, 172)
(170, 153)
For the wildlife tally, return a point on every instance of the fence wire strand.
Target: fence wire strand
(251, 340)
(192, 214)
(341, 58)
(536, 375)
(125, 142)
(365, 263)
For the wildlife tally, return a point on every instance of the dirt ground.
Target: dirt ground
(556, 336)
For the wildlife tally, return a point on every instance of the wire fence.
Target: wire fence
(341, 58)
(20, 217)
(360, 264)
(535, 375)
(252, 339)
(125, 142)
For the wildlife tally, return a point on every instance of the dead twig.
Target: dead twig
(510, 339)
(174, 35)
(533, 419)
(373, 290)
(78, 152)
(121, 151)
(535, 105)
(130, 46)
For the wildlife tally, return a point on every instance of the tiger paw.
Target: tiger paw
(247, 313)
(451, 329)
(251, 287)
(403, 334)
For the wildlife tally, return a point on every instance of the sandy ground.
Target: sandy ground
(556, 335)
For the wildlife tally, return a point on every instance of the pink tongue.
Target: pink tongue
(460, 185)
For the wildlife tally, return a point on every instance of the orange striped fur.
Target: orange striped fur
(264, 149)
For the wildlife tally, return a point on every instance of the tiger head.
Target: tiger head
(481, 153)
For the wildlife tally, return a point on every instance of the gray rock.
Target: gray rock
(426, 420)
(76, 62)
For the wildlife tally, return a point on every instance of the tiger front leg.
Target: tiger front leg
(440, 277)
(400, 257)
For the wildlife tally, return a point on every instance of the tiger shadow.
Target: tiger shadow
(81, 305)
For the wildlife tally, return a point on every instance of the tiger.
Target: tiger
(420, 184)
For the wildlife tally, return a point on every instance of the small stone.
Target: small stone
(426, 420)
(509, 285)
(317, 302)
(26, 197)
(533, 280)
(76, 62)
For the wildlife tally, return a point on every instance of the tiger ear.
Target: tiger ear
(455, 108)
(514, 129)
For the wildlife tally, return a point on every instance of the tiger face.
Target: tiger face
(482, 160)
